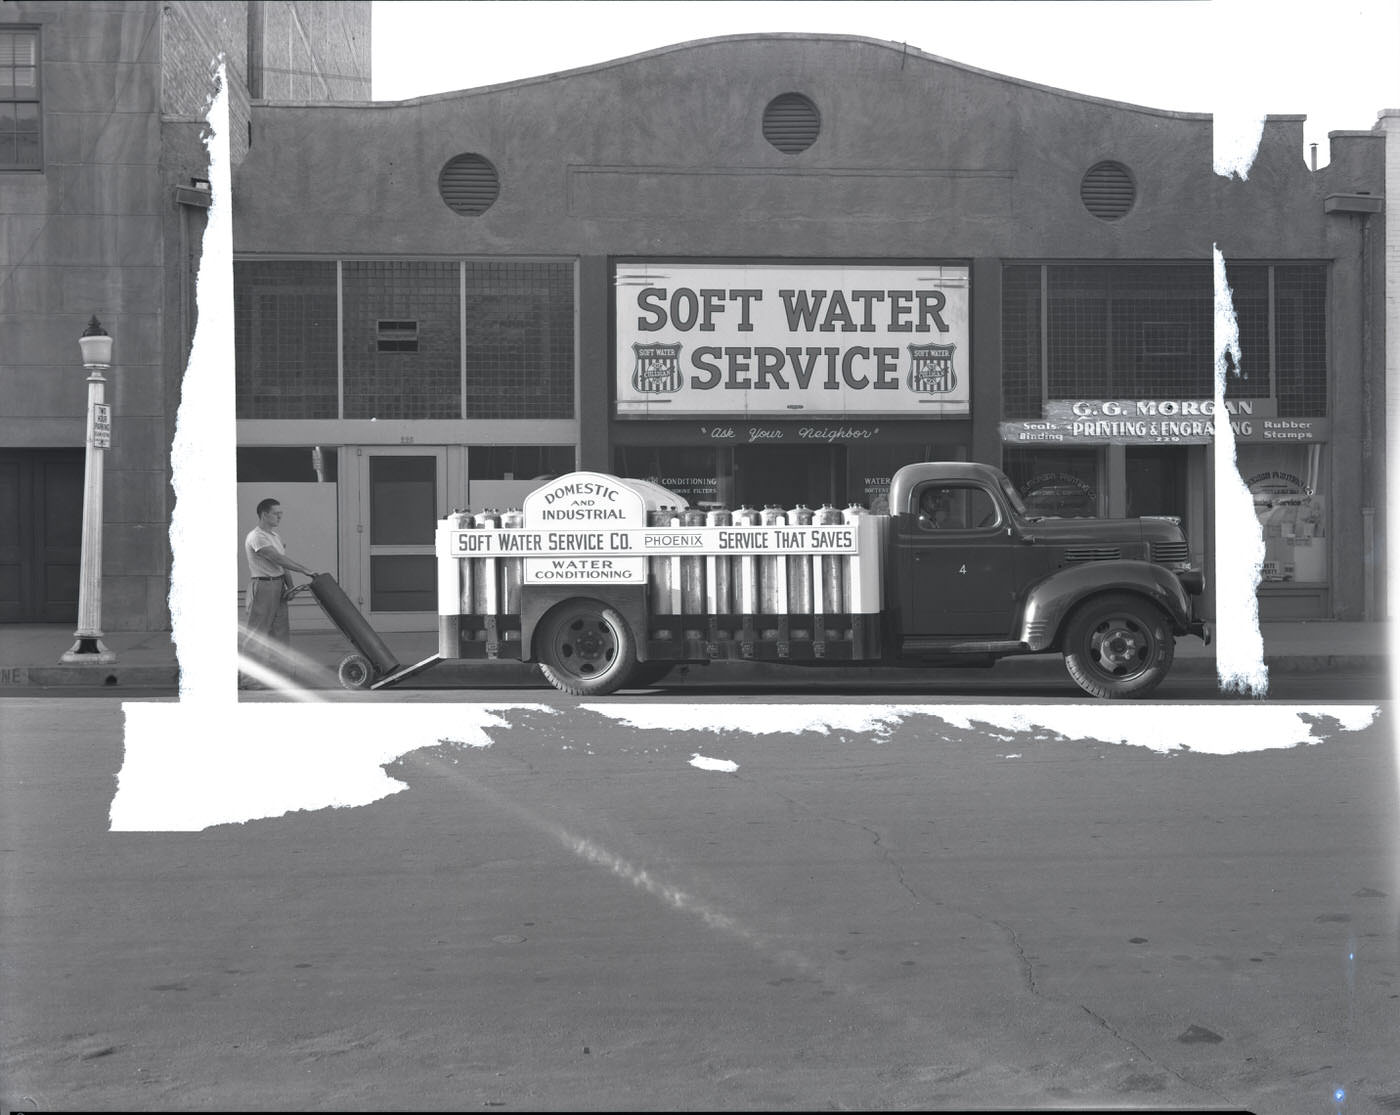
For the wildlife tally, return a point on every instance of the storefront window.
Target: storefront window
(871, 467)
(702, 475)
(519, 462)
(1056, 483)
(501, 476)
(302, 464)
(1287, 483)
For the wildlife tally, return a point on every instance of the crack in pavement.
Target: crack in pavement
(1027, 966)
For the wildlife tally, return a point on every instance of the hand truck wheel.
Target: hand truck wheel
(355, 672)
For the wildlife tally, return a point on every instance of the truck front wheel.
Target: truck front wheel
(586, 648)
(1118, 646)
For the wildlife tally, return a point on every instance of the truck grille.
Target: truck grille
(1170, 553)
(1092, 553)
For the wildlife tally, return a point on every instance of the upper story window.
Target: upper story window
(19, 100)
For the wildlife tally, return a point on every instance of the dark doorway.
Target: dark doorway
(790, 474)
(41, 504)
(1156, 477)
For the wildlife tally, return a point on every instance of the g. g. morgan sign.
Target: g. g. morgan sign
(792, 340)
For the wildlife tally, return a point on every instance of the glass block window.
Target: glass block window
(1147, 331)
(20, 147)
(519, 347)
(424, 382)
(284, 321)
(1020, 340)
(1136, 332)
(1249, 291)
(1300, 339)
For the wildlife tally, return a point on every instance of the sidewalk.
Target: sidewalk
(30, 653)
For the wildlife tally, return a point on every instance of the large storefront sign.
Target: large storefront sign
(1157, 422)
(788, 340)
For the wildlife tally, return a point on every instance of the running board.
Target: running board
(405, 671)
(917, 644)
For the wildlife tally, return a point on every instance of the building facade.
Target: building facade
(775, 268)
(102, 108)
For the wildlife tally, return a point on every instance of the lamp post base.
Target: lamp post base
(89, 649)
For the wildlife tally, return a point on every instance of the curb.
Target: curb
(114, 676)
(508, 675)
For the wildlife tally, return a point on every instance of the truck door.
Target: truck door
(956, 562)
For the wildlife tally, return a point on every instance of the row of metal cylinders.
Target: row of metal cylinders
(797, 584)
(768, 584)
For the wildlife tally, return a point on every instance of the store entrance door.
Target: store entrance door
(1157, 481)
(790, 474)
(390, 506)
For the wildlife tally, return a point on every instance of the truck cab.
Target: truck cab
(971, 573)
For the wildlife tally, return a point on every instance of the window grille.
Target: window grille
(284, 322)
(1135, 331)
(1077, 332)
(1249, 292)
(20, 131)
(1020, 341)
(1147, 331)
(1300, 339)
(422, 381)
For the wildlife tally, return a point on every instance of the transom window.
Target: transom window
(19, 100)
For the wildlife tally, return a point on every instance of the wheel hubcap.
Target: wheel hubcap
(586, 646)
(1120, 646)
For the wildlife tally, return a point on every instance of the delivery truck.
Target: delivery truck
(609, 582)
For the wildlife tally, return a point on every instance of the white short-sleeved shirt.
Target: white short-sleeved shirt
(260, 539)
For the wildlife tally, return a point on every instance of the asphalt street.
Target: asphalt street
(588, 914)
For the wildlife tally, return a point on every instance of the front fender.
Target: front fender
(1051, 600)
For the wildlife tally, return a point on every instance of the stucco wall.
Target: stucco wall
(316, 51)
(664, 153)
(83, 237)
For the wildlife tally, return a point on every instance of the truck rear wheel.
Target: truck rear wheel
(1118, 646)
(586, 648)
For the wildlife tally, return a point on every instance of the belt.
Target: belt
(264, 578)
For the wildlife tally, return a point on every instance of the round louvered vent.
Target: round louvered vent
(791, 123)
(1108, 191)
(469, 185)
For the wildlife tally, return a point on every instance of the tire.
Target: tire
(1118, 646)
(586, 648)
(355, 672)
(647, 674)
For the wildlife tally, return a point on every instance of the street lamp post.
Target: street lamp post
(97, 357)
